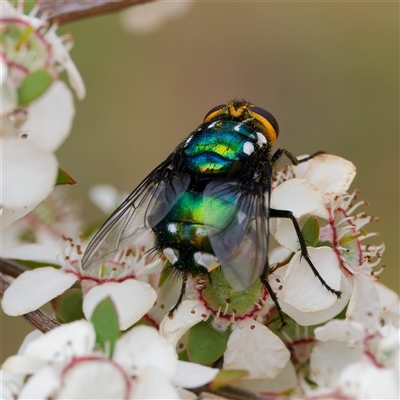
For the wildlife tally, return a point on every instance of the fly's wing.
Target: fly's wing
(237, 223)
(144, 208)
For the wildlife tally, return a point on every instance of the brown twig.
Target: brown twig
(11, 268)
(38, 319)
(62, 11)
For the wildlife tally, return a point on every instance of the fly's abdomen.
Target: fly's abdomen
(214, 149)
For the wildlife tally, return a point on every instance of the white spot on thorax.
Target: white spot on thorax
(212, 124)
(261, 139)
(248, 148)
(237, 127)
(172, 228)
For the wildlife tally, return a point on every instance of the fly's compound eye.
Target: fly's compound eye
(266, 118)
(214, 112)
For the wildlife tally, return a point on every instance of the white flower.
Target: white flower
(251, 345)
(149, 17)
(117, 279)
(343, 263)
(63, 363)
(35, 120)
(355, 361)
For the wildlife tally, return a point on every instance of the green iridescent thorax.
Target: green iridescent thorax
(214, 148)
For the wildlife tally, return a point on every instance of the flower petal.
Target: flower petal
(28, 174)
(364, 305)
(94, 379)
(327, 360)
(331, 174)
(33, 252)
(300, 197)
(50, 118)
(8, 97)
(131, 298)
(34, 288)
(319, 317)
(143, 347)
(340, 331)
(183, 319)
(253, 347)
(64, 342)
(153, 385)
(22, 365)
(363, 380)
(42, 385)
(286, 380)
(191, 375)
(8, 216)
(302, 290)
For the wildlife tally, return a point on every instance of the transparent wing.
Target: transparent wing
(237, 225)
(144, 208)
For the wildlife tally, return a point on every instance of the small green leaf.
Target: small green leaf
(105, 321)
(311, 231)
(182, 356)
(35, 264)
(63, 178)
(33, 86)
(227, 377)
(324, 244)
(69, 306)
(205, 344)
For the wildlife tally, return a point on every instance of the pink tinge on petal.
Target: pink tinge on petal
(91, 378)
(33, 289)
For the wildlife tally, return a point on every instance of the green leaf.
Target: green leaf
(311, 231)
(35, 264)
(227, 377)
(69, 306)
(205, 344)
(63, 178)
(105, 321)
(33, 86)
(182, 356)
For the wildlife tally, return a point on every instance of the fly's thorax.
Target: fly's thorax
(220, 147)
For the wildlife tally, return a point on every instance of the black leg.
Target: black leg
(280, 152)
(303, 246)
(183, 290)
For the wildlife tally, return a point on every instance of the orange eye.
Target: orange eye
(267, 116)
(214, 111)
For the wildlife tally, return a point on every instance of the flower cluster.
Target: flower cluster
(37, 107)
(341, 338)
(66, 364)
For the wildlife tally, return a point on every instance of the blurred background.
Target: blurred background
(328, 72)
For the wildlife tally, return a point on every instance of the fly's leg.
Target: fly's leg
(295, 161)
(183, 290)
(303, 246)
(264, 281)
